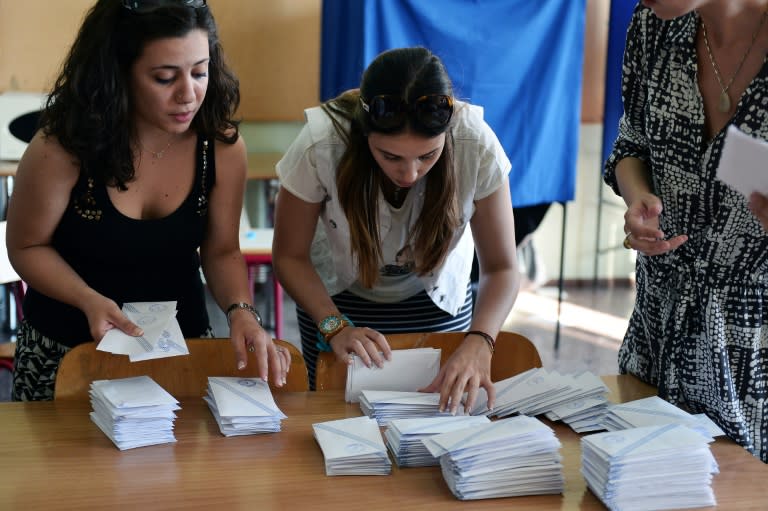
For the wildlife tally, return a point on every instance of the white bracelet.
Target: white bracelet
(243, 305)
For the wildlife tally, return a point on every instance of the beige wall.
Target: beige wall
(273, 47)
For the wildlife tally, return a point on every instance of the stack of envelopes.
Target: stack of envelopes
(540, 391)
(385, 405)
(655, 467)
(582, 415)
(404, 437)
(505, 458)
(352, 447)
(133, 412)
(654, 411)
(243, 406)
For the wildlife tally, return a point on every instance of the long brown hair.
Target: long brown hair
(409, 73)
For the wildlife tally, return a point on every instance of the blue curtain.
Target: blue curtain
(520, 59)
(618, 22)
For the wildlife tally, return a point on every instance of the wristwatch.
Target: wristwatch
(332, 325)
(242, 305)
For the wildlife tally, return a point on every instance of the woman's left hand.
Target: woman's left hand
(758, 205)
(248, 337)
(468, 369)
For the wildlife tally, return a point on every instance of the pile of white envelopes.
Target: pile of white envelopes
(133, 412)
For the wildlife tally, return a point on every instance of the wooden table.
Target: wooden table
(55, 458)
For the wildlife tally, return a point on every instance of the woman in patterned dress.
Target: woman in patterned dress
(698, 330)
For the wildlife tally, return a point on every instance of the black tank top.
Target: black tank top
(130, 260)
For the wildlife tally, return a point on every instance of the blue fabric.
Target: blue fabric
(520, 59)
(618, 22)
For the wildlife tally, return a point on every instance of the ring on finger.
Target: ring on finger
(251, 348)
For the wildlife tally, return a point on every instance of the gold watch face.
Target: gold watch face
(329, 324)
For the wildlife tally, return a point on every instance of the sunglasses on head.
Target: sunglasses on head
(145, 6)
(389, 112)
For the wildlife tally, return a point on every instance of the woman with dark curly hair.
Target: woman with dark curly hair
(134, 181)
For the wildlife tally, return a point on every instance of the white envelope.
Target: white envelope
(243, 397)
(398, 398)
(484, 434)
(137, 391)
(644, 441)
(170, 343)
(162, 334)
(409, 370)
(435, 425)
(654, 411)
(353, 437)
(743, 162)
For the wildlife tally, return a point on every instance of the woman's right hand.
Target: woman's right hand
(103, 315)
(641, 224)
(366, 343)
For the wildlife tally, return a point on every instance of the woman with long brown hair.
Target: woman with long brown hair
(402, 177)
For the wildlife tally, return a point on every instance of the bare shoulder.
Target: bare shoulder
(46, 158)
(231, 158)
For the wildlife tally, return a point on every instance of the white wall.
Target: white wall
(581, 222)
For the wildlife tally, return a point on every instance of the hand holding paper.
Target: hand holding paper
(743, 163)
(162, 333)
(409, 370)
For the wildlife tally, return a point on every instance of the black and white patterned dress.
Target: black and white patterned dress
(699, 330)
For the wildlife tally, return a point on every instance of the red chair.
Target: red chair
(256, 247)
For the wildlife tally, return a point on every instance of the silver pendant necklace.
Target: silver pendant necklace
(724, 101)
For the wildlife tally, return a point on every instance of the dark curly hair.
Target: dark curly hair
(89, 108)
(408, 73)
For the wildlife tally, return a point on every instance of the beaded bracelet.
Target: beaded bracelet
(243, 305)
(490, 340)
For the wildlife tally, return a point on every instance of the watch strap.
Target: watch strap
(246, 306)
(323, 342)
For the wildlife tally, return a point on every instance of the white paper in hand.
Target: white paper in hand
(743, 163)
(162, 334)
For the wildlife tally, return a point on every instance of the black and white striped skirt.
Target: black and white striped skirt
(415, 314)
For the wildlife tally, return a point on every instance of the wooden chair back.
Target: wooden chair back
(514, 354)
(182, 376)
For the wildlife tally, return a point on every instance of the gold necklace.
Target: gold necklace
(724, 103)
(158, 155)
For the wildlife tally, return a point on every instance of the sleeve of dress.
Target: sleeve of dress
(493, 163)
(631, 139)
(297, 169)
